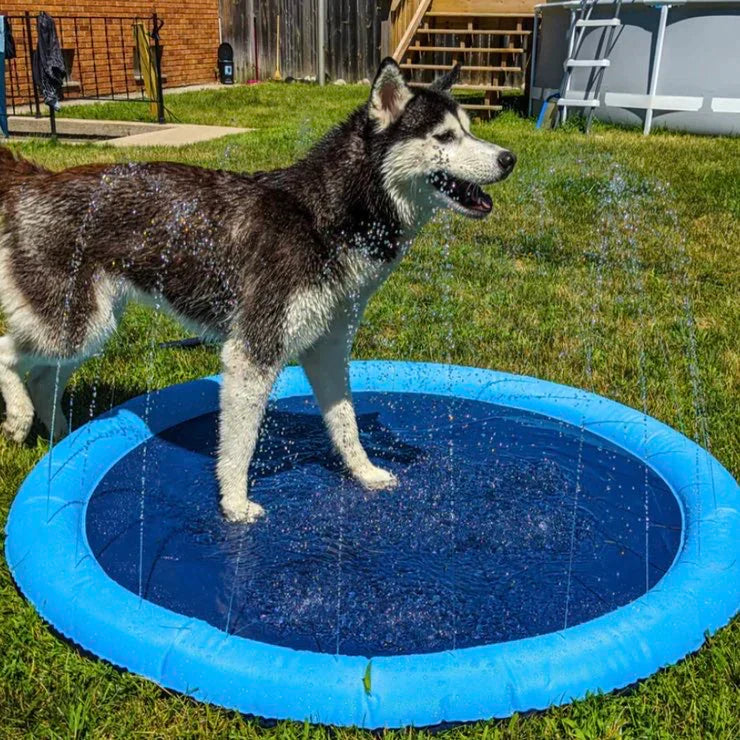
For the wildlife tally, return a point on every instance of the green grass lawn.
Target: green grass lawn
(608, 259)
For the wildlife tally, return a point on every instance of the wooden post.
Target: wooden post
(385, 39)
(157, 24)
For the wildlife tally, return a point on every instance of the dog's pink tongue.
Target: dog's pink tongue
(482, 202)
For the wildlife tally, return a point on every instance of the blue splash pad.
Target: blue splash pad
(473, 547)
(495, 640)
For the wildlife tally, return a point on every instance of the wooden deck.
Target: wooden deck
(490, 38)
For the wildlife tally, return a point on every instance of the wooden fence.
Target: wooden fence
(352, 37)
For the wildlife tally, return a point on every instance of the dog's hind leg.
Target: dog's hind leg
(244, 393)
(327, 366)
(46, 384)
(18, 404)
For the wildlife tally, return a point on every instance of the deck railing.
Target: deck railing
(405, 16)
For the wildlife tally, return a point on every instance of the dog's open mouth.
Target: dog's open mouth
(469, 197)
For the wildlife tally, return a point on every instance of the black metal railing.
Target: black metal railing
(101, 59)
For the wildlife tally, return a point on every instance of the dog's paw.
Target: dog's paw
(242, 511)
(376, 479)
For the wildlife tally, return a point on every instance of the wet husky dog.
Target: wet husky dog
(274, 265)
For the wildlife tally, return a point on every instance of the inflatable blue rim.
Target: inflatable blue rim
(51, 561)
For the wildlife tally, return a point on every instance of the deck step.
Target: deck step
(466, 14)
(578, 103)
(587, 63)
(599, 24)
(464, 68)
(467, 49)
(472, 106)
(471, 31)
(483, 88)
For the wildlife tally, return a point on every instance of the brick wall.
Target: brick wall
(102, 51)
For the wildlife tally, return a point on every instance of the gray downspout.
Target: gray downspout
(320, 42)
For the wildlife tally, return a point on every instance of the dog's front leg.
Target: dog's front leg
(326, 365)
(244, 393)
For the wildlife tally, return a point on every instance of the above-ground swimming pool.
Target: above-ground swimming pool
(672, 64)
(543, 542)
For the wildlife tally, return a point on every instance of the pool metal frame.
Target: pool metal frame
(51, 561)
(651, 101)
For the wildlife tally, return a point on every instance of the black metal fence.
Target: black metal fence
(100, 56)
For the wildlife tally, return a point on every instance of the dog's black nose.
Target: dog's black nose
(507, 160)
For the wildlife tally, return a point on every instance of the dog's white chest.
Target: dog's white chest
(335, 307)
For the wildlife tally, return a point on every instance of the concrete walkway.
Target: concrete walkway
(121, 133)
(177, 134)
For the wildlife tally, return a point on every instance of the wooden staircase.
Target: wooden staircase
(490, 38)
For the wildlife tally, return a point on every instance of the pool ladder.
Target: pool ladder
(580, 21)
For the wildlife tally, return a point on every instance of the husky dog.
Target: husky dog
(273, 265)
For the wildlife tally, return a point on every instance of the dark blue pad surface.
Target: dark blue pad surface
(478, 544)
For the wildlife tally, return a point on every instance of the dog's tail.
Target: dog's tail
(13, 169)
(12, 166)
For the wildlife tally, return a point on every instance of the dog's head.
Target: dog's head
(427, 155)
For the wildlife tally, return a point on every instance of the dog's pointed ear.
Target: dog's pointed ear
(446, 81)
(389, 95)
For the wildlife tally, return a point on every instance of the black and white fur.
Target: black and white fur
(274, 265)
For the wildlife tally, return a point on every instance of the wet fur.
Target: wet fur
(273, 265)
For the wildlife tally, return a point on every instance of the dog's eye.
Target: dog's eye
(445, 138)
